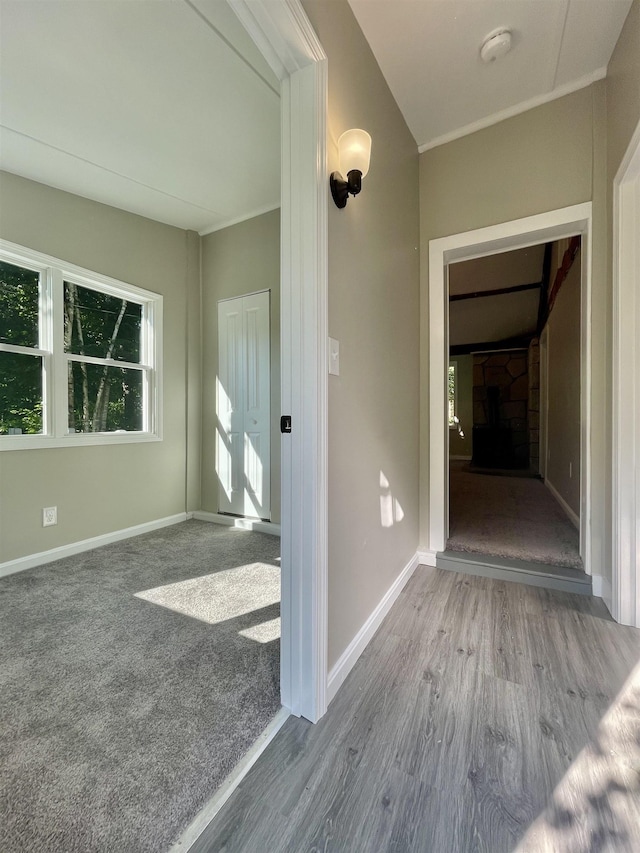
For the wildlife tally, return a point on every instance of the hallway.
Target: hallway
(483, 716)
(509, 516)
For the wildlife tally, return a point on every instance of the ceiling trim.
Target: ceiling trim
(228, 223)
(495, 118)
(231, 46)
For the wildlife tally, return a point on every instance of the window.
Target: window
(452, 396)
(79, 355)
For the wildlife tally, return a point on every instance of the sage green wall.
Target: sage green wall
(546, 158)
(563, 370)
(463, 445)
(623, 91)
(373, 312)
(241, 259)
(98, 489)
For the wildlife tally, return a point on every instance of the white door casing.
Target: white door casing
(544, 400)
(625, 598)
(529, 231)
(243, 459)
(282, 31)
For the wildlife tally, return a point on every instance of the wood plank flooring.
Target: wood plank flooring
(483, 716)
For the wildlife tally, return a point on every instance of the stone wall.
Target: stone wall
(501, 397)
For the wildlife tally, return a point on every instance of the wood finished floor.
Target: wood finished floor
(483, 716)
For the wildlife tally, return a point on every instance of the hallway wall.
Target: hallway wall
(563, 368)
(373, 312)
(511, 170)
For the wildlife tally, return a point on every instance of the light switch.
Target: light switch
(334, 357)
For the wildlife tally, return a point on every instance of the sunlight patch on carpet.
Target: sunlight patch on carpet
(265, 632)
(220, 596)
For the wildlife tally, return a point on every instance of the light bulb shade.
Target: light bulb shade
(354, 149)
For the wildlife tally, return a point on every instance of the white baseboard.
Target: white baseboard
(348, 658)
(226, 789)
(427, 558)
(453, 458)
(602, 588)
(573, 518)
(22, 563)
(242, 523)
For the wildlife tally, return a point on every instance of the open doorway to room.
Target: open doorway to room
(514, 388)
(151, 648)
(535, 230)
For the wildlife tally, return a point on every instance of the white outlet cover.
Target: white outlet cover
(49, 516)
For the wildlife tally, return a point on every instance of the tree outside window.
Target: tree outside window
(79, 353)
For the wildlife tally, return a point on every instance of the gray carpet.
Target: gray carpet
(509, 517)
(132, 679)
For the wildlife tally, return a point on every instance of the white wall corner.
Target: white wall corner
(349, 657)
(31, 561)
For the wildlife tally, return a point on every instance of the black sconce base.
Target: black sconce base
(340, 189)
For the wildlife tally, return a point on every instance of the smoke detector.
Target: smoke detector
(496, 45)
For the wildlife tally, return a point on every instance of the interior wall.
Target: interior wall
(563, 383)
(462, 445)
(238, 260)
(98, 489)
(373, 312)
(623, 115)
(514, 169)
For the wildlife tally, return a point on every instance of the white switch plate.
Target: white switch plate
(49, 516)
(334, 357)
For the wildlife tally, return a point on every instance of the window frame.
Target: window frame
(53, 273)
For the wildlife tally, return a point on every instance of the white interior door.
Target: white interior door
(243, 395)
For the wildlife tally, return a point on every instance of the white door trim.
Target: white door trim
(625, 604)
(544, 401)
(519, 233)
(286, 38)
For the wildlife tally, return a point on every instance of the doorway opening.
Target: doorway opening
(519, 234)
(504, 309)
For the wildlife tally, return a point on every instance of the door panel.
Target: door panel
(243, 405)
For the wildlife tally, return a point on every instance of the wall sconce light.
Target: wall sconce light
(354, 149)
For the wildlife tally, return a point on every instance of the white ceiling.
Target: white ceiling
(167, 109)
(429, 53)
(495, 318)
(164, 108)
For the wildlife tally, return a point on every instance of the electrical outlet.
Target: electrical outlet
(49, 516)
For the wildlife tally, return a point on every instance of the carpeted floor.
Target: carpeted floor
(132, 679)
(513, 517)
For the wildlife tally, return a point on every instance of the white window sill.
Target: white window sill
(40, 442)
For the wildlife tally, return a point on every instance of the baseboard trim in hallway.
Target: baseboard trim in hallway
(188, 839)
(349, 657)
(516, 571)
